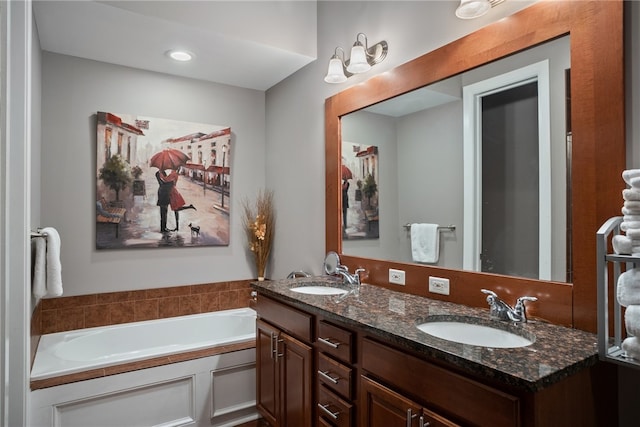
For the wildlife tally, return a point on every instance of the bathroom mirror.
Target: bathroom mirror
(596, 158)
(331, 263)
(422, 151)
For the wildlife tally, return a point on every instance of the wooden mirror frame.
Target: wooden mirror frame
(598, 140)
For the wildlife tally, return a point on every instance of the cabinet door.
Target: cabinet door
(267, 379)
(430, 419)
(295, 359)
(382, 407)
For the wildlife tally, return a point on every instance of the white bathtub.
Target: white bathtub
(76, 351)
(217, 390)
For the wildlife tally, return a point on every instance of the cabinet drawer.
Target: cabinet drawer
(336, 341)
(333, 409)
(446, 392)
(295, 322)
(335, 375)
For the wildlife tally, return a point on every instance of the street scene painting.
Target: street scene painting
(360, 216)
(161, 182)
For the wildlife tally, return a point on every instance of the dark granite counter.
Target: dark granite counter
(556, 353)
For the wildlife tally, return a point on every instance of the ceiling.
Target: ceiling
(250, 44)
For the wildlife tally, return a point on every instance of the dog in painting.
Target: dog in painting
(195, 230)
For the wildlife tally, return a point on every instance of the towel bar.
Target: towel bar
(38, 233)
(440, 227)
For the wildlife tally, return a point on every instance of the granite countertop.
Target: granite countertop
(557, 352)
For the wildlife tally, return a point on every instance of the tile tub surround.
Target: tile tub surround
(87, 311)
(557, 353)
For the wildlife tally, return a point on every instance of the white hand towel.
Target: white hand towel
(630, 211)
(425, 243)
(632, 320)
(631, 218)
(39, 286)
(631, 346)
(54, 268)
(628, 292)
(630, 174)
(635, 183)
(631, 195)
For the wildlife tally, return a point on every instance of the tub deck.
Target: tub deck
(140, 364)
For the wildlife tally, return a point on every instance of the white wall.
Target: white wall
(295, 108)
(73, 90)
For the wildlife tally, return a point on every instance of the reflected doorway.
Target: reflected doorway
(508, 174)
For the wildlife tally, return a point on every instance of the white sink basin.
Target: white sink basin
(469, 333)
(319, 290)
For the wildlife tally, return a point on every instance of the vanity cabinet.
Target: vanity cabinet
(383, 407)
(335, 346)
(284, 360)
(317, 367)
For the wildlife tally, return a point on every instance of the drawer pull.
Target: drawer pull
(410, 417)
(333, 415)
(328, 342)
(423, 424)
(326, 376)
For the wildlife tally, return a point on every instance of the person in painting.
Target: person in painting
(164, 192)
(176, 200)
(345, 205)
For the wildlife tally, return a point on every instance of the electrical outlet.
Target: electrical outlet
(396, 276)
(438, 285)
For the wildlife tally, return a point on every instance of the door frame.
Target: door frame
(472, 161)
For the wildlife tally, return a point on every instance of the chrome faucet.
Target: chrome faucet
(500, 310)
(348, 278)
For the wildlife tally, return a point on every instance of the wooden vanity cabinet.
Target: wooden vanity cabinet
(383, 407)
(284, 364)
(335, 347)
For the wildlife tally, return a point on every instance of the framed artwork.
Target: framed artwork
(161, 182)
(360, 216)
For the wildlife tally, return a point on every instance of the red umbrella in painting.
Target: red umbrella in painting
(169, 158)
(346, 173)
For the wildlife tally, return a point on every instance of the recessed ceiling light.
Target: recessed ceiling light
(180, 55)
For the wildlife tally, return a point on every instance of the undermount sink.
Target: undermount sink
(474, 334)
(319, 290)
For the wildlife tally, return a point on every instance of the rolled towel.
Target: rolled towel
(625, 245)
(631, 195)
(630, 211)
(631, 346)
(631, 204)
(632, 320)
(628, 292)
(635, 183)
(629, 174)
(629, 225)
(634, 234)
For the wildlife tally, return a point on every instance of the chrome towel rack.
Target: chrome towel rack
(450, 227)
(38, 233)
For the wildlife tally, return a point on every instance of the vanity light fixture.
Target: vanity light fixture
(180, 55)
(470, 9)
(362, 58)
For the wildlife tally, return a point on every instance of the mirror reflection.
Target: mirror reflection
(485, 152)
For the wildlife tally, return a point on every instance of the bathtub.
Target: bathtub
(81, 350)
(216, 390)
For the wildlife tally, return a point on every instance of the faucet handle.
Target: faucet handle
(488, 292)
(522, 300)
